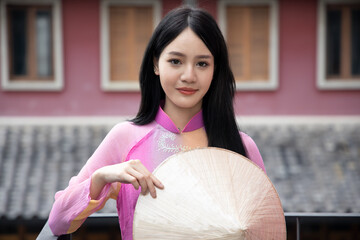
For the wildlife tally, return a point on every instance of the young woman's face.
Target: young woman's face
(185, 68)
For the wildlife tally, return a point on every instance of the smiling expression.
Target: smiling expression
(185, 68)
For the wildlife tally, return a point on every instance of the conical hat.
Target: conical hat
(210, 193)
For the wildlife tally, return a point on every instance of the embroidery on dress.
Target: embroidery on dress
(169, 147)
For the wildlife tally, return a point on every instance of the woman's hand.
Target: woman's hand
(130, 172)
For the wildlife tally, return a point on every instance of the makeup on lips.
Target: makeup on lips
(187, 91)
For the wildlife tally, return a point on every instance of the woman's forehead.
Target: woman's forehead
(187, 43)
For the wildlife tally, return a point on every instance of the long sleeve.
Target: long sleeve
(252, 151)
(73, 205)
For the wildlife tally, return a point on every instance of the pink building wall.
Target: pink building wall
(82, 96)
(297, 93)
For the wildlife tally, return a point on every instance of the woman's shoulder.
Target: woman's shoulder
(252, 150)
(247, 140)
(129, 125)
(129, 129)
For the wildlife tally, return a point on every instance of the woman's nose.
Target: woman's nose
(189, 74)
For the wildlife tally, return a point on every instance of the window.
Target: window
(30, 41)
(126, 29)
(338, 44)
(250, 29)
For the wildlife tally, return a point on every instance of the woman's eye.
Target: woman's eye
(203, 64)
(174, 61)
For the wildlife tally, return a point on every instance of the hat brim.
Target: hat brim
(210, 193)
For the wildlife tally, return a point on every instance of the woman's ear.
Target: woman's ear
(156, 66)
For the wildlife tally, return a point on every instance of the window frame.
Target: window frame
(34, 84)
(272, 83)
(106, 83)
(322, 82)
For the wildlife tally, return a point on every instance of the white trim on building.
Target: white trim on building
(241, 120)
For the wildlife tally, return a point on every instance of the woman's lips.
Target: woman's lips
(187, 91)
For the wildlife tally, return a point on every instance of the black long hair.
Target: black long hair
(217, 105)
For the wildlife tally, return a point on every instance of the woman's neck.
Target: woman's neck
(180, 116)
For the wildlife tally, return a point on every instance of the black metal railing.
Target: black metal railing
(327, 220)
(297, 223)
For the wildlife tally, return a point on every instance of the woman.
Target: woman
(187, 90)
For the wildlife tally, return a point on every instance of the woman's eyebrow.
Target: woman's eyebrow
(203, 56)
(179, 54)
(176, 53)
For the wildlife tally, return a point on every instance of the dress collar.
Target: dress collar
(164, 120)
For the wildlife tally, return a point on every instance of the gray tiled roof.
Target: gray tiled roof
(315, 168)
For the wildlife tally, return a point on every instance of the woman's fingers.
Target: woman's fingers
(151, 187)
(153, 182)
(130, 178)
(145, 178)
(139, 180)
(157, 182)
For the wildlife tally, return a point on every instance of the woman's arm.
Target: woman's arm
(74, 204)
(100, 180)
(131, 172)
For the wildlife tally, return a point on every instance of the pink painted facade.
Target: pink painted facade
(82, 95)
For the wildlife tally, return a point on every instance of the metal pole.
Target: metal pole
(297, 228)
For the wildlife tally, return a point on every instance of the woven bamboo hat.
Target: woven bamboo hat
(210, 193)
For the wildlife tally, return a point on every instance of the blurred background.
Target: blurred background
(69, 72)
